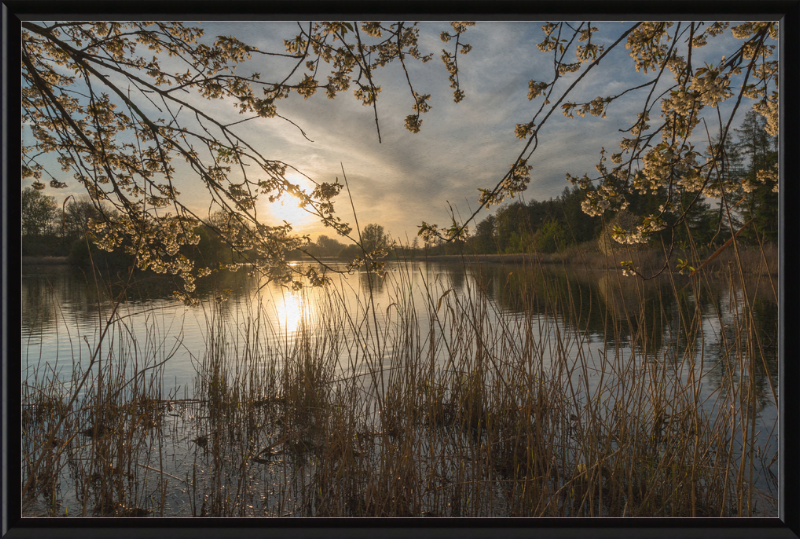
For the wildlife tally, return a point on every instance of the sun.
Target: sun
(288, 209)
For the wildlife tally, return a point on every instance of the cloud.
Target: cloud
(408, 178)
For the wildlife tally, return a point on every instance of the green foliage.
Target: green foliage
(544, 226)
(515, 243)
(549, 238)
(700, 225)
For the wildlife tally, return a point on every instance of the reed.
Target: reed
(440, 404)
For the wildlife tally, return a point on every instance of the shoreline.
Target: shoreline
(516, 258)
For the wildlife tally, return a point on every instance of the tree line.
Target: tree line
(66, 230)
(50, 229)
(550, 225)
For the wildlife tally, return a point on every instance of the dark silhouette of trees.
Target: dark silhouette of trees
(373, 238)
(38, 212)
(326, 247)
(759, 186)
(485, 238)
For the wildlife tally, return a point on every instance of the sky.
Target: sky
(408, 178)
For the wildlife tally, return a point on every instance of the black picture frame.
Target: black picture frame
(786, 525)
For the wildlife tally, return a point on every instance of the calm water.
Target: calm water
(63, 311)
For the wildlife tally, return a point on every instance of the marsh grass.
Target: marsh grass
(451, 407)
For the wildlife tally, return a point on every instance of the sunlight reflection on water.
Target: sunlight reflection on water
(290, 310)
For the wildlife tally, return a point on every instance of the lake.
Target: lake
(591, 331)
